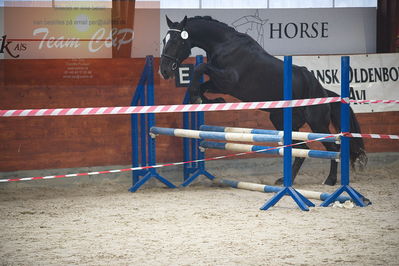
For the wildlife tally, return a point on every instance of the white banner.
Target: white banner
(295, 31)
(372, 77)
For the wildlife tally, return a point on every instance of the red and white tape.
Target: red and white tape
(179, 108)
(374, 101)
(158, 165)
(166, 108)
(371, 136)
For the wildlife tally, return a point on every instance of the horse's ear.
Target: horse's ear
(183, 22)
(170, 23)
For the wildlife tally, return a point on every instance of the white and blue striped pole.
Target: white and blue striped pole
(304, 136)
(196, 134)
(238, 147)
(274, 189)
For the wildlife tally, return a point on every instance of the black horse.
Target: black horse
(238, 66)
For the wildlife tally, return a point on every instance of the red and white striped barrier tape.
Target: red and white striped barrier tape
(166, 108)
(374, 101)
(158, 165)
(179, 108)
(371, 136)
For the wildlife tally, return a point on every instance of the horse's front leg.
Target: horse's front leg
(196, 94)
(209, 86)
(226, 77)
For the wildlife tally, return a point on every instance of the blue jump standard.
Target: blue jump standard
(345, 127)
(191, 152)
(300, 200)
(144, 95)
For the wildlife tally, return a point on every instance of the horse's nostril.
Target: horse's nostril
(164, 74)
(174, 66)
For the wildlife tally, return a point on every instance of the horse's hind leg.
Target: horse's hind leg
(318, 118)
(276, 116)
(298, 161)
(331, 179)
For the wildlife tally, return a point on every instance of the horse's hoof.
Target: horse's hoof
(219, 100)
(196, 100)
(361, 162)
(279, 181)
(330, 182)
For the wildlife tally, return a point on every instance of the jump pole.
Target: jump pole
(198, 134)
(302, 136)
(345, 127)
(274, 189)
(300, 200)
(238, 147)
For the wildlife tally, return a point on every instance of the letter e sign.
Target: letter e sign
(183, 75)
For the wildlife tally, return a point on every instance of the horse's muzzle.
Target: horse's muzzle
(164, 74)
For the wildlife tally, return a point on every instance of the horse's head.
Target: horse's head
(176, 47)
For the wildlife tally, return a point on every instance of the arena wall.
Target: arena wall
(82, 141)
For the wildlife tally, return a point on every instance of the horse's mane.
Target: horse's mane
(210, 19)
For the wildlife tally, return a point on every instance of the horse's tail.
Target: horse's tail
(357, 152)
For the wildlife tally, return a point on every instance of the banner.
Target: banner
(67, 30)
(302, 31)
(372, 77)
